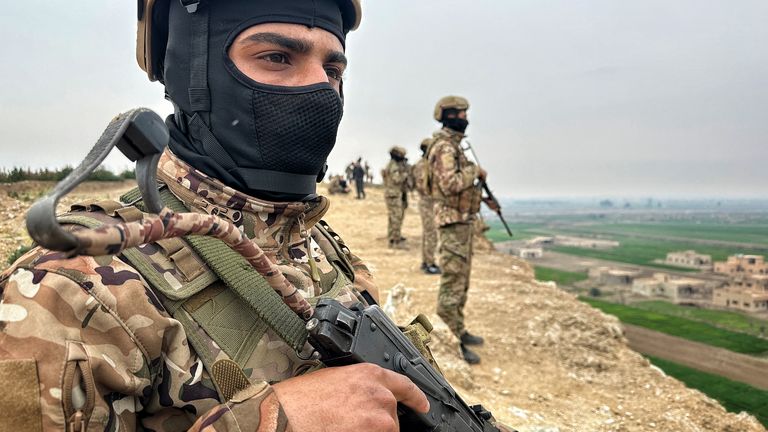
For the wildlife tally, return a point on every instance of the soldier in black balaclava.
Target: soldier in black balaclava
(180, 336)
(258, 96)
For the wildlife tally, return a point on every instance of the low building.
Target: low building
(529, 253)
(540, 241)
(742, 265)
(676, 289)
(746, 300)
(586, 243)
(689, 259)
(612, 276)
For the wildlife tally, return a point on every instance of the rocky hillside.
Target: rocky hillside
(550, 363)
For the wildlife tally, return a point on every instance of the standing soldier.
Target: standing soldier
(358, 173)
(368, 173)
(174, 337)
(426, 211)
(451, 178)
(396, 178)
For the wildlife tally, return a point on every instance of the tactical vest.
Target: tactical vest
(467, 201)
(203, 283)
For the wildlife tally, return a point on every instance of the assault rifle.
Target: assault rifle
(488, 194)
(344, 336)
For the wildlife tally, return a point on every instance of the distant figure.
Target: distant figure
(451, 179)
(368, 173)
(396, 176)
(338, 185)
(426, 211)
(348, 171)
(358, 174)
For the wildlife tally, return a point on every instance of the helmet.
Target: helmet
(455, 102)
(397, 150)
(152, 31)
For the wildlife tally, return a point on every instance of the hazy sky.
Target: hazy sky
(589, 97)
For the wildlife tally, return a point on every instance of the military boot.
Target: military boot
(470, 339)
(470, 356)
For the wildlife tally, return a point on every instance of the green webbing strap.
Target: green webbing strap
(240, 277)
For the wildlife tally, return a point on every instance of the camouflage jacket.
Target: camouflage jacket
(418, 174)
(451, 179)
(396, 178)
(87, 343)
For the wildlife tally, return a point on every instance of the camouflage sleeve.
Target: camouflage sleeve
(449, 177)
(400, 174)
(255, 408)
(363, 277)
(87, 345)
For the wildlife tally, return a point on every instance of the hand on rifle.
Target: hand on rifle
(482, 174)
(360, 397)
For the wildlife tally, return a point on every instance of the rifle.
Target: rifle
(344, 336)
(488, 193)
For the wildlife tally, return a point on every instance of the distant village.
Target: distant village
(739, 283)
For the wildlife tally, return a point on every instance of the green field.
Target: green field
(559, 276)
(683, 328)
(521, 231)
(755, 233)
(733, 395)
(734, 321)
(642, 251)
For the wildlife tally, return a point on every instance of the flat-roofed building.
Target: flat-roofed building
(529, 253)
(676, 289)
(586, 243)
(742, 265)
(689, 259)
(747, 300)
(758, 282)
(612, 276)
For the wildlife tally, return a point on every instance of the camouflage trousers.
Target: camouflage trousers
(428, 230)
(456, 263)
(395, 214)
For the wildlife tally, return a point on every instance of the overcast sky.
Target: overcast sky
(590, 97)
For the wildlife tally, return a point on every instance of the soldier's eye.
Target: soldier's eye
(333, 72)
(278, 58)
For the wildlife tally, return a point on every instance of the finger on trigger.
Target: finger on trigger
(406, 392)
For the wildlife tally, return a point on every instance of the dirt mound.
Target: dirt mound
(16, 198)
(549, 363)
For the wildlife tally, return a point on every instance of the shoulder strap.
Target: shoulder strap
(240, 277)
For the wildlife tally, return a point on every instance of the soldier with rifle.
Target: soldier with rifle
(186, 305)
(456, 185)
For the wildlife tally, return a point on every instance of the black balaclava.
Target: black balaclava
(453, 122)
(268, 141)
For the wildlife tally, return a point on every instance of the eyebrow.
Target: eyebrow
(336, 57)
(300, 46)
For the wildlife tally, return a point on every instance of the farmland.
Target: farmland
(734, 396)
(684, 328)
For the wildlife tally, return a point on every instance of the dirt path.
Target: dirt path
(738, 367)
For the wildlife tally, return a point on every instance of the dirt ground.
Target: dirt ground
(549, 364)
